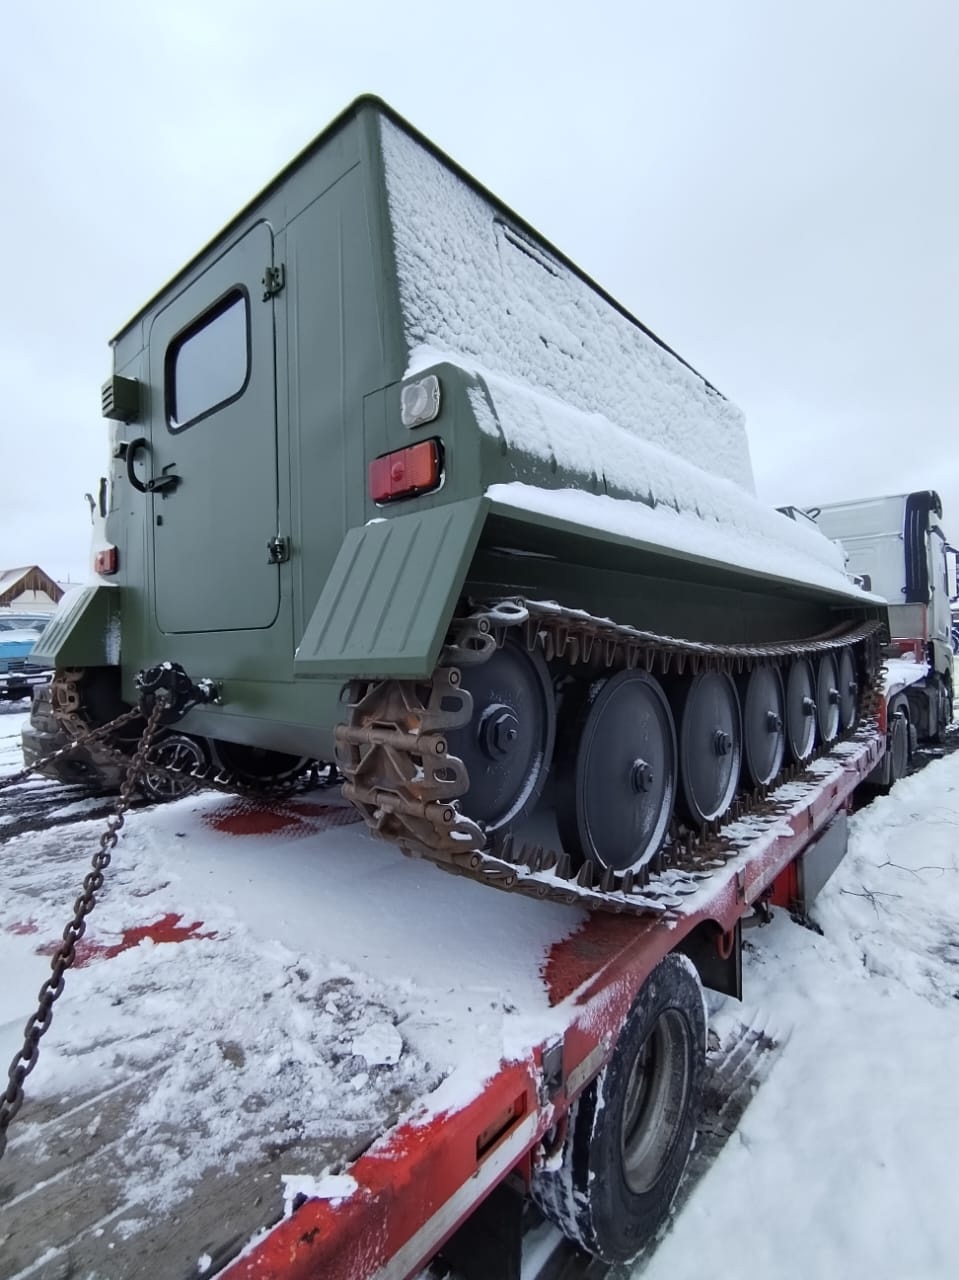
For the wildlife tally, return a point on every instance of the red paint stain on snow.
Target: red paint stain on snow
(21, 927)
(167, 929)
(296, 817)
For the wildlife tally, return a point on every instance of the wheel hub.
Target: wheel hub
(498, 731)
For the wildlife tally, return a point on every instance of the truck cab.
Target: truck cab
(897, 546)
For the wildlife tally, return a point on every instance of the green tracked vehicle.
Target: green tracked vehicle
(398, 486)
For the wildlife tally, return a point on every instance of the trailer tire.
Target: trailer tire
(630, 1133)
(898, 744)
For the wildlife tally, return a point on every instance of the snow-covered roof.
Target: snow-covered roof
(479, 289)
(30, 577)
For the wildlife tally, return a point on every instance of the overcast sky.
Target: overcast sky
(772, 187)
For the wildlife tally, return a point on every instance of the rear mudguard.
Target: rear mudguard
(388, 601)
(84, 631)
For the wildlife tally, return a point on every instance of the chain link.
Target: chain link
(81, 740)
(39, 1022)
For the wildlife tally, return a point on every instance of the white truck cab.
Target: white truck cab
(896, 545)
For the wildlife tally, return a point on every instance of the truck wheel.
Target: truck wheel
(943, 709)
(630, 1133)
(898, 744)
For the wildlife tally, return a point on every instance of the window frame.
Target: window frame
(235, 293)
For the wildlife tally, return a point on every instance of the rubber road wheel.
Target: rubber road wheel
(709, 733)
(617, 780)
(800, 710)
(507, 747)
(764, 738)
(827, 698)
(848, 691)
(631, 1131)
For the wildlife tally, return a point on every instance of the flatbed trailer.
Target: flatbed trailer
(403, 1189)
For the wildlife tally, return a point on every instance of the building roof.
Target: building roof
(30, 577)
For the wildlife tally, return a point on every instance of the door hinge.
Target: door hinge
(278, 550)
(274, 279)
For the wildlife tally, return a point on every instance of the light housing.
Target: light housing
(420, 401)
(406, 472)
(106, 561)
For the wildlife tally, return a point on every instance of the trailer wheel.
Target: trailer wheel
(631, 1131)
(898, 743)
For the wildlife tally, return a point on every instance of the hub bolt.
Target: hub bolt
(774, 722)
(498, 730)
(641, 776)
(722, 742)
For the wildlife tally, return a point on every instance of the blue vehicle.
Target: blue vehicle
(19, 632)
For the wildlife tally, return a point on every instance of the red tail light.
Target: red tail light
(406, 472)
(105, 561)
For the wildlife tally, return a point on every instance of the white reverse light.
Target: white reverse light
(420, 401)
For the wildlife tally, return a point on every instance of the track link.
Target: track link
(400, 775)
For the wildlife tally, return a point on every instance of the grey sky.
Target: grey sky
(772, 187)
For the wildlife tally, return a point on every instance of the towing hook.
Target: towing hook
(168, 683)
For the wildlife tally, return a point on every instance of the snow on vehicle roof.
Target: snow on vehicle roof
(474, 285)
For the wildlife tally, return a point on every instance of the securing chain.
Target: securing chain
(81, 740)
(39, 1022)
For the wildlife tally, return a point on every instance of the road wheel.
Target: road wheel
(508, 745)
(800, 710)
(710, 739)
(631, 1131)
(764, 739)
(617, 782)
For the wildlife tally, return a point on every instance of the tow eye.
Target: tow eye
(175, 688)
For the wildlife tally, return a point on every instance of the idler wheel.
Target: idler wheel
(800, 710)
(177, 751)
(710, 744)
(764, 729)
(848, 691)
(615, 796)
(508, 745)
(827, 698)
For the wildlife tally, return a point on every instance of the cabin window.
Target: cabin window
(208, 364)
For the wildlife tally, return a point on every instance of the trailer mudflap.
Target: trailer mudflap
(84, 632)
(390, 595)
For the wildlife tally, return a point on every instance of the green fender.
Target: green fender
(390, 595)
(84, 631)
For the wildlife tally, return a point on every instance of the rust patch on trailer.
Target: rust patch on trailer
(167, 929)
(580, 957)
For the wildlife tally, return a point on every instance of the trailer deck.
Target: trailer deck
(289, 1052)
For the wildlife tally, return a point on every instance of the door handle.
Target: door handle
(166, 482)
(133, 448)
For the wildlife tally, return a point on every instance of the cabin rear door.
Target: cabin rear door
(213, 453)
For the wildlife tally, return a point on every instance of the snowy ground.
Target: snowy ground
(844, 1165)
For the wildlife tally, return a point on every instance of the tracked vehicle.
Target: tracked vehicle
(394, 483)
